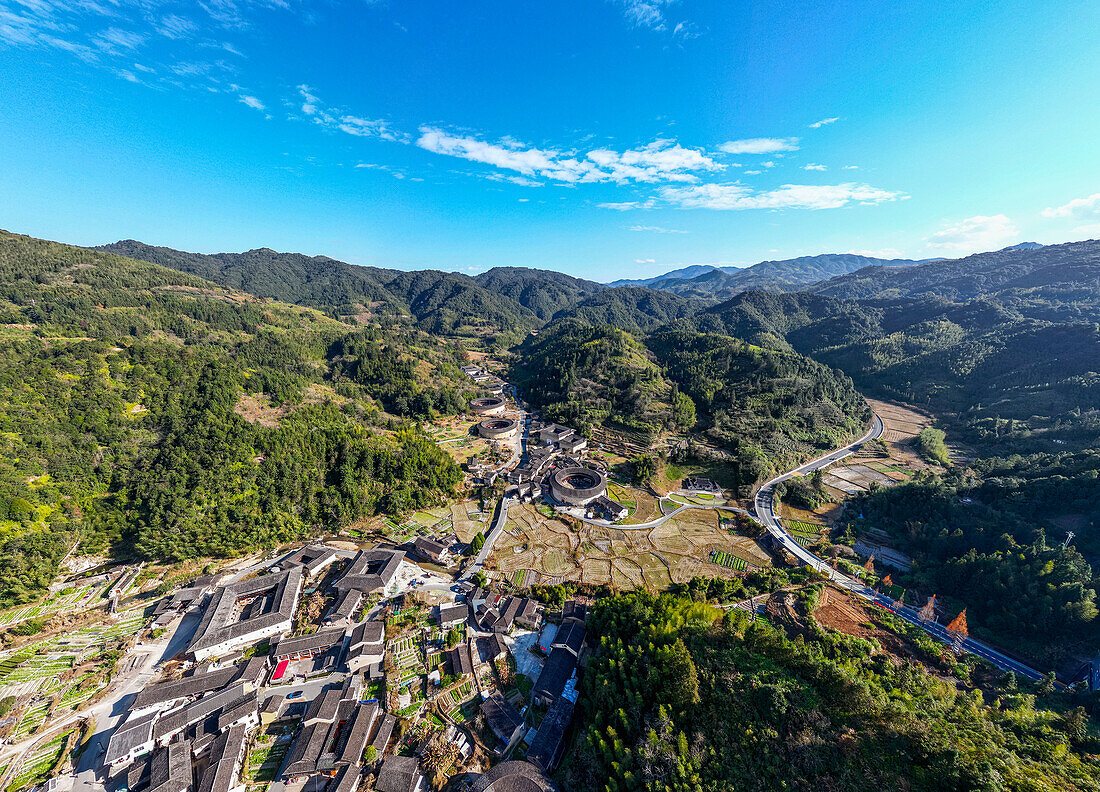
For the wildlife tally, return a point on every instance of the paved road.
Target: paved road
(89, 776)
(494, 534)
(764, 506)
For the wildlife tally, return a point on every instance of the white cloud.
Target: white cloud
(686, 31)
(1078, 207)
(657, 229)
(252, 102)
(1090, 230)
(814, 167)
(315, 109)
(851, 167)
(974, 234)
(753, 172)
(759, 145)
(823, 122)
(661, 160)
(645, 261)
(788, 196)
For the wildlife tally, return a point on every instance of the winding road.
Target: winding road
(765, 513)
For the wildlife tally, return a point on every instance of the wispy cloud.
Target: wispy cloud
(645, 261)
(737, 196)
(645, 13)
(760, 145)
(657, 229)
(175, 27)
(974, 234)
(312, 107)
(626, 206)
(814, 167)
(824, 122)
(114, 39)
(252, 102)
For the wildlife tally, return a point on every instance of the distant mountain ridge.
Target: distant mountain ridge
(708, 282)
(511, 299)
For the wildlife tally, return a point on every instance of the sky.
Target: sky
(602, 138)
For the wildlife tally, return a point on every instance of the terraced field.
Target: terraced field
(39, 763)
(673, 552)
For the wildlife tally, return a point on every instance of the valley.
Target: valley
(237, 435)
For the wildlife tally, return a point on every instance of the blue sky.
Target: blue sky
(603, 138)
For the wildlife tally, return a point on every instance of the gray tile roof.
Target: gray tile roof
(453, 613)
(225, 756)
(308, 746)
(545, 750)
(558, 669)
(357, 732)
(398, 774)
(514, 776)
(170, 769)
(187, 687)
(347, 780)
(324, 706)
(501, 716)
(178, 720)
(570, 636)
(368, 632)
(220, 625)
(129, 736)
(385, 731)
(371, 570)
(314, 642)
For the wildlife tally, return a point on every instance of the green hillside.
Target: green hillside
(150, 413)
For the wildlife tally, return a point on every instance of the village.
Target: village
(404, 657)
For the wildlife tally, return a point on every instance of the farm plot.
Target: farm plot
(75, 598)
(625, 559)
(264, 762)
(467, 520)
(40, 762)
(727, 560)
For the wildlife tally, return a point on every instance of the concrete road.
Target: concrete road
(765, 513)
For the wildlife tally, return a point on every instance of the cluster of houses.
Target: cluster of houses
(191, 734)
(556, 445)
(490, 382)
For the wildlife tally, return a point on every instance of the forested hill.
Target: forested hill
(631, 308)
(148, 413)
(766, 409)
(979, 360)
(679, 697)
(440, 302)
(541, 291)
(1058, 282)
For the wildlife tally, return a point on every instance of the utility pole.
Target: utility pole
(1069, 538)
